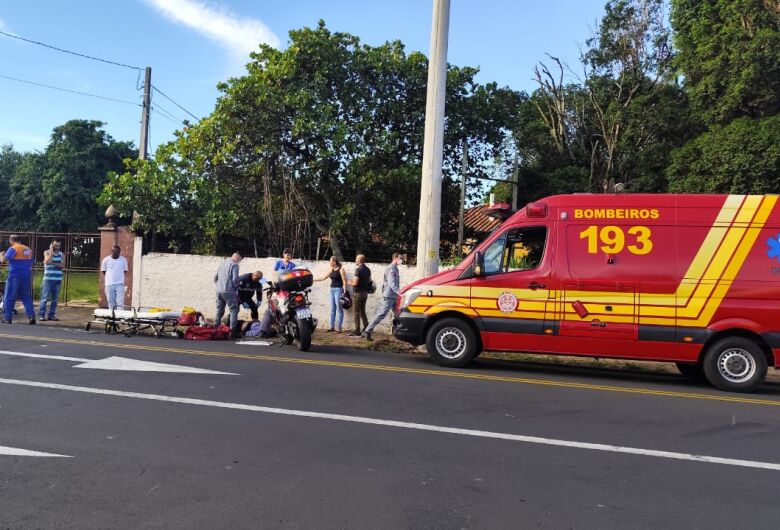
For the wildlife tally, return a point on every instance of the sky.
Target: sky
(191, 45)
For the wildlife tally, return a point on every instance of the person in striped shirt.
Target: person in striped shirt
(53, 264)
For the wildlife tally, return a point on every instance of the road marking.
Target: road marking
(119, 363)
(459, 374)
(13, 451)
(406, 425)
(254, 343)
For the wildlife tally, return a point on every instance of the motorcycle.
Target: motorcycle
(291, 316)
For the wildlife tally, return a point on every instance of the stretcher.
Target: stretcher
(131, 320)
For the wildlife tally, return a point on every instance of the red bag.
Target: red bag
(189, 319)
(207, 333)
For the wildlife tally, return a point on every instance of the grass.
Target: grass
(78, 287)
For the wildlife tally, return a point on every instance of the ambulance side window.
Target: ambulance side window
(494, 254)
(520, 249)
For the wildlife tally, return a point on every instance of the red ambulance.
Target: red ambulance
(689, 279)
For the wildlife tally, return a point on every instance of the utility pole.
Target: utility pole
(515, 183)
(429, 229)
(143, 147)
(462, 197)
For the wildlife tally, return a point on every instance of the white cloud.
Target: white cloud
(238, 35)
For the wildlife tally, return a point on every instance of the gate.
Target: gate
(82, 263)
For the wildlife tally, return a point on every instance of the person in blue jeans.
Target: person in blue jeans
(18, 284)
(53, 264)
(338, 285)
(391, 288)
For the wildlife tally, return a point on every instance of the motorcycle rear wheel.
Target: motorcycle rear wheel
(304, 335)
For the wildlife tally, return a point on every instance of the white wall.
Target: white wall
(179, 280)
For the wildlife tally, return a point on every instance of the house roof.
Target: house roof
(484, 218)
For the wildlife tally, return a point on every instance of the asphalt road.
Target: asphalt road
(351, 439)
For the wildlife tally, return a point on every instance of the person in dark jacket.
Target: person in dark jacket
(360, 284)
(249, 285)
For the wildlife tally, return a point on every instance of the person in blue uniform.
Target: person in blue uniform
(18, 284)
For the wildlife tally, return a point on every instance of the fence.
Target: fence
(82, 263)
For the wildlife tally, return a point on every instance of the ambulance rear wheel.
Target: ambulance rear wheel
(735, 364)
(451, 342)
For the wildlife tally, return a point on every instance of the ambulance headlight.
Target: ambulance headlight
(409, 297)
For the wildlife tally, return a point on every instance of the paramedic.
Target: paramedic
(249, 285)
(390, 289)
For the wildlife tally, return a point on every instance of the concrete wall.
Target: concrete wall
(179, 280)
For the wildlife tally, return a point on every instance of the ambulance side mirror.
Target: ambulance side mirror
(479, 263)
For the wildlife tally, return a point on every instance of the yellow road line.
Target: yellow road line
(418, 371)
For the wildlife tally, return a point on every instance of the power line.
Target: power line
(69, 90)
(172, 101)
(166, 111)
(159, 113)
(68, 51)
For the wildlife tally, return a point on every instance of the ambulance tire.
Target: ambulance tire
(451, 342)
(735, 364)
(692, 371)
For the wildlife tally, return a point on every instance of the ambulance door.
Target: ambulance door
(510, 296)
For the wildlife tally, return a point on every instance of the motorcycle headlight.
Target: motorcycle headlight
(409, 297)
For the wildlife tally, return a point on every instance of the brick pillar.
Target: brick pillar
(122, 236)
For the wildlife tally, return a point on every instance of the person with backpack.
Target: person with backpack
(391, 287)
(361, 285)
(226, 283)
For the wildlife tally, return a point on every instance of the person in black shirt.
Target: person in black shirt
(338, 286)
(249, 284)
(360, 283)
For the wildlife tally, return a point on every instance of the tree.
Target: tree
(323, 138)
(729, 54)
(741, 157)
(77, 162)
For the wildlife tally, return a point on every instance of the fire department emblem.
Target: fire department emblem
(507, 302)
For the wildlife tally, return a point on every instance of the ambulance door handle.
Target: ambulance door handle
(535, 285)
(596, 323)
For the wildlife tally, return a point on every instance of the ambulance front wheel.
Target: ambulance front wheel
(451, 342)
(735, 364)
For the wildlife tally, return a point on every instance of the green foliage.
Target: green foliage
(57, 190)
(323, 138)
(729, 53)
(741, 157)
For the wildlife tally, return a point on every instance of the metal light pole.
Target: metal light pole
(433, 146)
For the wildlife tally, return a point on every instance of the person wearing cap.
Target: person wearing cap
(226, 282)
(18, 284)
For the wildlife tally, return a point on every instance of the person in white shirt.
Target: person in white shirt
(114, 269)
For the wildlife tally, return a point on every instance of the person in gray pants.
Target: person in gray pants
(226, 282)
(391, 286)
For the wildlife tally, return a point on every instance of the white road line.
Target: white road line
(120, 363)
(407, 425)
(13, 451)
(39, 356)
